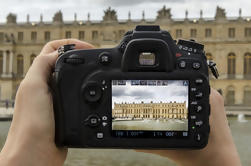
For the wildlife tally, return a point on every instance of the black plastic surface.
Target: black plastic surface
(72, 108)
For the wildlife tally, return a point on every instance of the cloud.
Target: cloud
(118, 92)
(179, 92)
(137, 94)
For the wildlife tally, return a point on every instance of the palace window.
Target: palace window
(81, 35)
(231, 65)
(230, 96)
(47, 35)
(231, 32)
(247, 65)
(94, 35)
(32, 57)
(1, 36)
(68, 34)
(208, 32)
(193, 33)
(247, 96)
(1, 62)
(20, 36)
(247, 32)
(20, 65)
(33, 36)
(178, 33)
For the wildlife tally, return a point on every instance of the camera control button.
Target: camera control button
(193, 117)
(104, 124)
(74, 61)
(196, 65)
(198, 123)
(182, 64)
(104, 118)
(198, 108)
(105, 58)
(92, 92)
(100, 135)
(93, 120)
(198, 137)
(199, 81)
(199, 95)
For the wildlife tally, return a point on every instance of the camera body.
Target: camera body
(149, 92)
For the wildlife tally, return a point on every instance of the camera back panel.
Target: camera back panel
(148, 92)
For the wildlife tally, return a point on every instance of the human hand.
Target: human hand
(31, 136)
(220, 149)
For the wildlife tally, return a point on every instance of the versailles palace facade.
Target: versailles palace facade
(227, 41)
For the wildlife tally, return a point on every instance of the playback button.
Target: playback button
(93, 120)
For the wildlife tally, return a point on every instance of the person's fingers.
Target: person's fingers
(44, 62)
(54, 45)
(41, 67)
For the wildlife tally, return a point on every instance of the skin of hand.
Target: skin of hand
(30, 140)
(220, 149)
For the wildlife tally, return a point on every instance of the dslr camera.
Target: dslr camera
(149, 92)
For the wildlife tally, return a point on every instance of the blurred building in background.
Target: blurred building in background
(227, 41)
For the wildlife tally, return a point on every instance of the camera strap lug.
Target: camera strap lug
(213, 68)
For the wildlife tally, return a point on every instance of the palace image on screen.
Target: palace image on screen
(152, 105)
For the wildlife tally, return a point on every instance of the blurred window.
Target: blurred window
(247, 96)
(20, 65)
(1, 36)
(47, 35)
(193, 33)
(1, 62)
(178, 33)
(94, 35)
(68, 34)
(33, 36)
(81, 35)
(247, 32)
(231, 32)
(247, 65)
(230, 96)
(20, 36)
(231, 65)
(208, 32)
